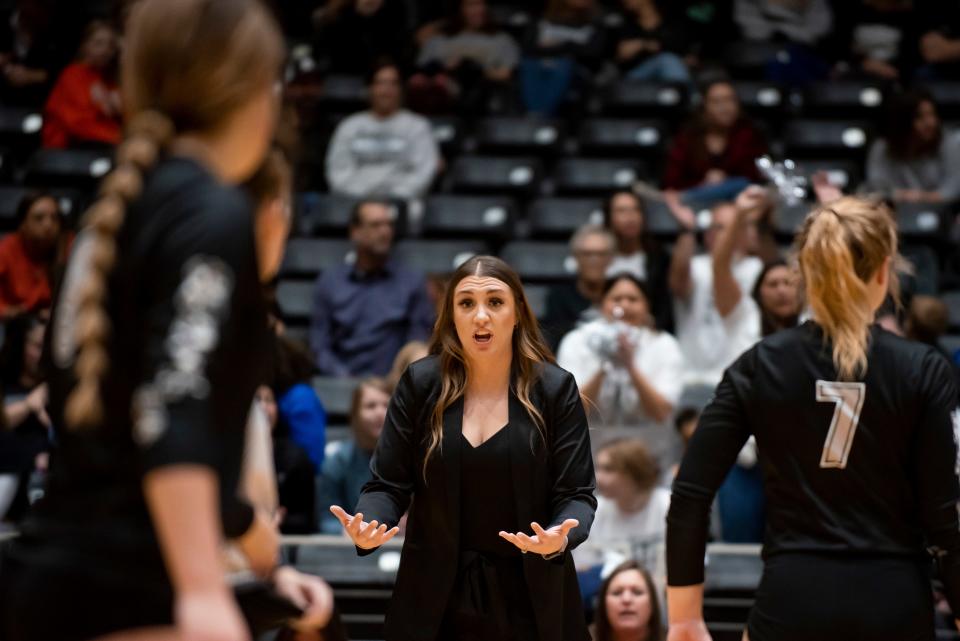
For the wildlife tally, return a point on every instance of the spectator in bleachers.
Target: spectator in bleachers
(777, 295)
(628, 606)
(385, 152)
(939, 44)
(716, 318)
(650, 45)
(27, 431)
(28, 55)
(713, 158)
(364, 312)
(295, 473)
(32, 256)
(467, 64)
(631, 507)
(409, 353)
(299, 407)
(631, 372)
(880, 37)
(915, 160)
(84, 106)
(347, 467)
(927, 321)
(562, 50)
(353, 35)
(578, 300)
(638, 253)
(804, 21)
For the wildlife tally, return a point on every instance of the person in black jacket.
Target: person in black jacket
(855, 430)
(489, 439)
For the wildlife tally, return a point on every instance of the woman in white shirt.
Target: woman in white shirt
(631, 373)
(631, 508)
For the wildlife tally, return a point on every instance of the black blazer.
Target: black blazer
(553, 481)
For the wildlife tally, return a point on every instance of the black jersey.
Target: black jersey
(865, 468)
(186, 350)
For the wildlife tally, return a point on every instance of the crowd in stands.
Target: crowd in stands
(669, 274)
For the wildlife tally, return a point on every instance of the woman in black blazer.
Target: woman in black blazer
(488, 438)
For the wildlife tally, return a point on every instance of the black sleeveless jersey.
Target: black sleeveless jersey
(867, 467)
(187, 349)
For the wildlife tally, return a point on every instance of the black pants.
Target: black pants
(806, 596)
(65, 602)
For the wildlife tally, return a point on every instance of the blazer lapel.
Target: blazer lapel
(452, 430)
(522, 462)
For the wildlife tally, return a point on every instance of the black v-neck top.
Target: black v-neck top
(486, 496)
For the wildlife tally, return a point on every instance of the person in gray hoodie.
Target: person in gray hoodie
(386, 151)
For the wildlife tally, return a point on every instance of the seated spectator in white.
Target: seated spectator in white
(915, 160)
(716, 318)
(631, 373)
(651, 44)
(386, 152)
(467, 62)
(578, 300)
(28, 53)
(777, 295)
(365, 311)
(877, 38)
(638, 253)
(940, 39)
(631, 508)
(347, 465)
(800, 21)
(628, 607)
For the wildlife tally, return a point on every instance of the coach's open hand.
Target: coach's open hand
(364, 535)
(543, 541)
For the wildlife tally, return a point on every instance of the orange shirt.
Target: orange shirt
(23, 280)
(73, 113)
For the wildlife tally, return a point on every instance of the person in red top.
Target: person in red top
(713, 158)
(84, 105)
(31, 255)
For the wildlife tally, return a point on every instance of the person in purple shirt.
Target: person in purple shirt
(364, 312)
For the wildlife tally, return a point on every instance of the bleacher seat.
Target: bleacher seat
(68, 167)
(844, 99)
(438, 256)
(947, 96)
(320, 214)
(20, 128)
(494, 174)
(950, 343)
(952, 300)
(343, 94)
(848, 139)
(642, 99)
(765, 100)
(71, 204)
(923, 220)
(620, 137)
(540, 261)
(448, 133)
(295, 298)
(512, 18)
(844, 174)
(335, 394)
(789, 219)
(658, 219)
(748, 59)
(537, 298)
(593, 176)
(525, 136)
(696, 396)
(558, 218)
(307, 257)
(453, 216)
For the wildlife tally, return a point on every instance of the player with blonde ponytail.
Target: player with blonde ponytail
(855, 430)
(157, 344)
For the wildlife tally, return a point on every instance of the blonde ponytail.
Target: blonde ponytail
(840, 248)
(148, 133)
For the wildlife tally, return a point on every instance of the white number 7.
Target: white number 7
(848, 398)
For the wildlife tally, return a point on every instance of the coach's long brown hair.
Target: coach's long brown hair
(187, 65)
(530, 351)
(840, 247)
